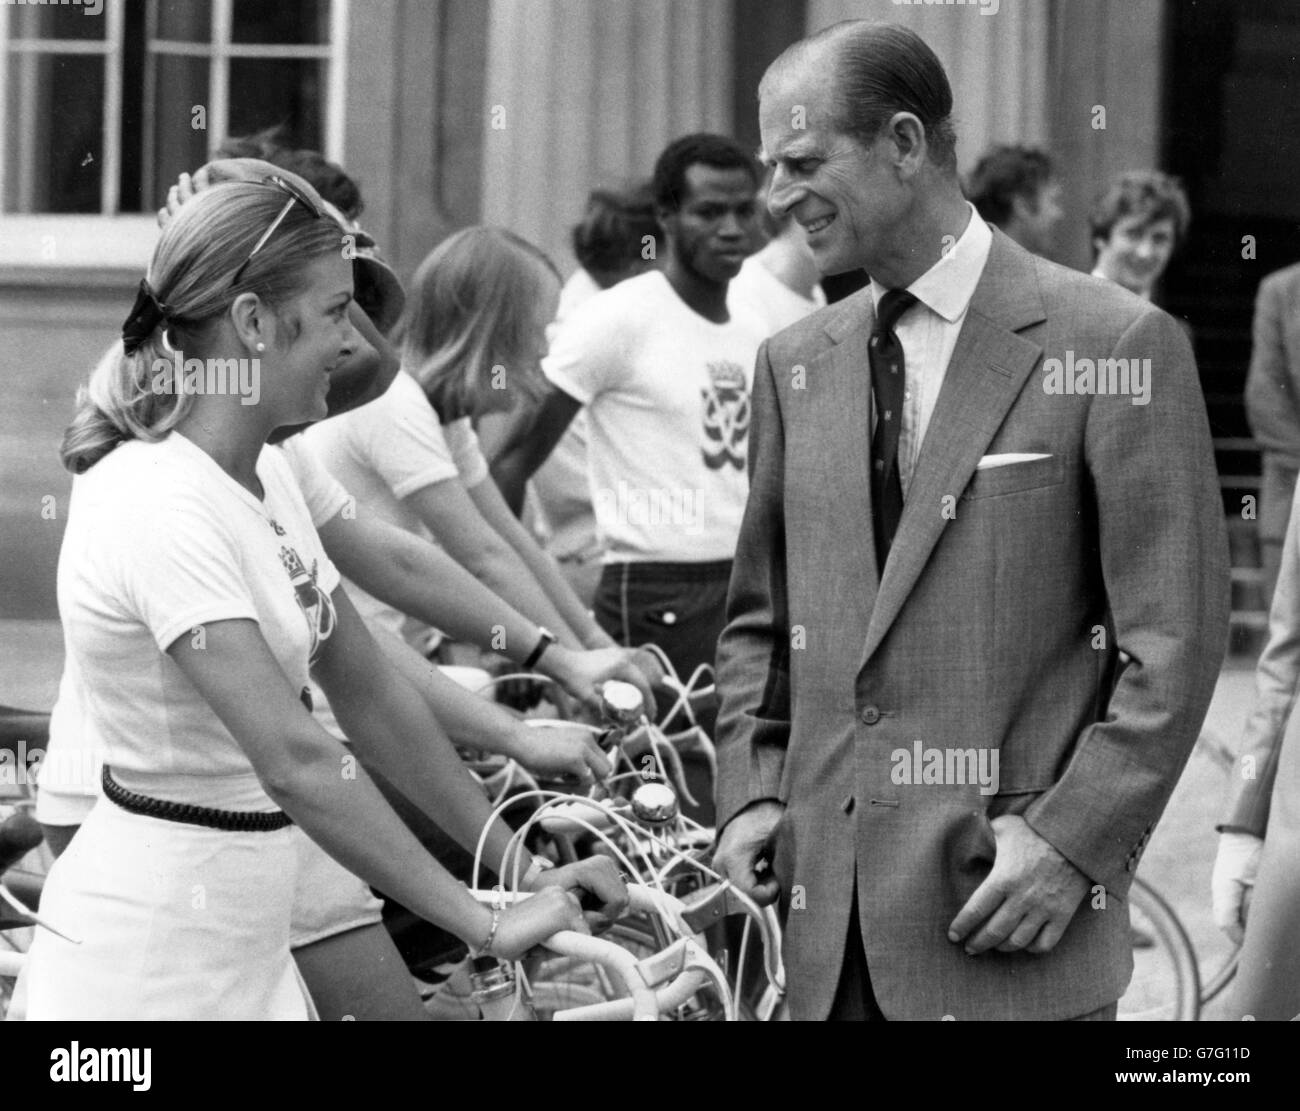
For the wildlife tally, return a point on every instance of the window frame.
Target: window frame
(112, 240)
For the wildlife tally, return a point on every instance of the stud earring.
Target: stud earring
(261, 346)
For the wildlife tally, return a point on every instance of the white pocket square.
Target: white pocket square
(991, 461)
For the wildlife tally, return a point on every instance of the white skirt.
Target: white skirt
(328, 899)
(175, 921)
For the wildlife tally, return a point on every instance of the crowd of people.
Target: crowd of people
(865, 510)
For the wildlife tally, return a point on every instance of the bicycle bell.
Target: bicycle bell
(621, 703)
(655, 804)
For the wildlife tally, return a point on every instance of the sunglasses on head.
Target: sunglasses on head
(295, 194)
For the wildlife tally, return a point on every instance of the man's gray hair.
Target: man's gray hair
(880, 69)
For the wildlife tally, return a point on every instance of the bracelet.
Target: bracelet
(544, 641)
(485, 950)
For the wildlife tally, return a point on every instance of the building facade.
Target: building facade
(451, 112)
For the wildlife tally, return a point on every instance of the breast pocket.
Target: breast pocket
(1016, 478)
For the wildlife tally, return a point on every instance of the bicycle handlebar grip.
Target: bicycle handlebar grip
(667, 998)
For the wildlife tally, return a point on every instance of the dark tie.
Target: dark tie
(888, 376)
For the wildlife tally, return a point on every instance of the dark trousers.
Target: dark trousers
(681, 607)
(854, 999)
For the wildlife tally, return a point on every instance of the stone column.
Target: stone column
(580, 94)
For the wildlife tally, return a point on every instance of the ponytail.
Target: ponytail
(121, 402)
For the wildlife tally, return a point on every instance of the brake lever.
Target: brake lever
(721, 903)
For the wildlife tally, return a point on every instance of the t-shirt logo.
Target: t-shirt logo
(316, 605)
(726, 416)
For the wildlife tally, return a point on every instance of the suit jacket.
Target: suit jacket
(1277, 683)
(1273, 382)
(998, 625)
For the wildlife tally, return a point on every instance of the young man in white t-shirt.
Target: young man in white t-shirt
(663, 367)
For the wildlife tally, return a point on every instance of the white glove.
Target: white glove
(1235, 868)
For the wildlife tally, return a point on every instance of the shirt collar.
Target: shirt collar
(947, 287)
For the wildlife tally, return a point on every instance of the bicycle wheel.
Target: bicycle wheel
(1166, 984)
(1218, 983)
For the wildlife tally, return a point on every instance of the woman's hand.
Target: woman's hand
(184, 189)
(556, 751)
(598, 876)
(532, 921)
(583, 674)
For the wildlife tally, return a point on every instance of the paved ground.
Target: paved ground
(1180, 857)
(1178, 860)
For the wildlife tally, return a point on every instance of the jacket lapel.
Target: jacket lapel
(986, 373)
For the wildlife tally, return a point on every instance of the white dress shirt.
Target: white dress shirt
(928, 333)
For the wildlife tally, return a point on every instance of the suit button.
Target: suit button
(870, 715)
(847, 804)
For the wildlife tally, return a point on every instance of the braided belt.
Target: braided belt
(236, 821)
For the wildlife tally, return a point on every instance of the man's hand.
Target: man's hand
(1233, 881)
(1028, 898)
(744, 843)
(560, 750)
(583, 674)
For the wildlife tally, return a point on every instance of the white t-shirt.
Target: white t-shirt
(69, 775)
(769, 297)
(68, 782)
(387, 450)
(561, 494)
(160, 542)
(667, 396)
(578, 290)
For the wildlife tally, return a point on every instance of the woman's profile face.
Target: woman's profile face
(300, 379)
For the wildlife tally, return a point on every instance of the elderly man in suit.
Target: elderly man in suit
(981, 591)
(1273, 408)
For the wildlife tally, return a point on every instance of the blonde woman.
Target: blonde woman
(195, 599)
(471, 338)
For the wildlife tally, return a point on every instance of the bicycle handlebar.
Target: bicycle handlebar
(646, 1003)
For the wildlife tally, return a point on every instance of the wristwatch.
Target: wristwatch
(546, 639)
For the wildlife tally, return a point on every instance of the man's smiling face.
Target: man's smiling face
(844, 195)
